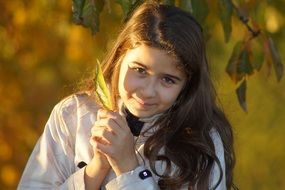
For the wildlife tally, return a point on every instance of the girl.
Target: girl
(165, 132)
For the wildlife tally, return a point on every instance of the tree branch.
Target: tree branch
(245, 20)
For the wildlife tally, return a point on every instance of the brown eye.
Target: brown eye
(168, 80)
(140, 70)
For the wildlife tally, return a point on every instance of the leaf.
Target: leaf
(277, 63)
(244, 66)
(267, 55)
(226, 10)
(200, 10)
(258, 54)
(234, 62)
(101, 89)
(86, 13)
(77, 9)
(241, 94)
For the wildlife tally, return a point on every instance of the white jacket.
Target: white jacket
(64, 143)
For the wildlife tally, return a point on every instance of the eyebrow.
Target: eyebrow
(140, 64)
(168, 75)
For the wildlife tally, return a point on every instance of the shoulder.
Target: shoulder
(71, 109)
(217, 141)
(219, 151)
(79, 103)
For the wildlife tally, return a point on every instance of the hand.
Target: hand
(114, 139)
(99, 159)
(97, 168)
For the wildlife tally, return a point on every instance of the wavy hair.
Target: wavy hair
(184, 129)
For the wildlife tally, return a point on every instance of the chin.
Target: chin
(141, 114)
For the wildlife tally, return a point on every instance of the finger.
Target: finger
(101, 123)
(120, 120)
(121, 128)
(104, 149)
(95, 145)
(103, 134)
(109, 124)
(102, 113)
(98, 139)
(93, 140)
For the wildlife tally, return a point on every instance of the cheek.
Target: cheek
(169, 96)
(127, 82)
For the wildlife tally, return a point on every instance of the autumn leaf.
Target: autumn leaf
(226, 11)
(245, 66)
(101, 88)
(234, 62)
(257, 54)
(241, 94)
(86, 13)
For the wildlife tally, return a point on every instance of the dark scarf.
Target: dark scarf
(134, 123)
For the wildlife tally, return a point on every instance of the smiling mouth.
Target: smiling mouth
(144, 104)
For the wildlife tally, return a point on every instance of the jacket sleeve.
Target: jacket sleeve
(51, 164)
(138, 179)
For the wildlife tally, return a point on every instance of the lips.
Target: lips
(144, 104)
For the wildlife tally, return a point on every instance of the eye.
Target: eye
(140, 70)
(168, 81)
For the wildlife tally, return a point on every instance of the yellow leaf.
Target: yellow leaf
(102, 90)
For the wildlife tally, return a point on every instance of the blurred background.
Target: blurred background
(43, 56)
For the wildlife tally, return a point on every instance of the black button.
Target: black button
(81, 164)
(145, 174)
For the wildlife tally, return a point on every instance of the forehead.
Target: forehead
(154, 58)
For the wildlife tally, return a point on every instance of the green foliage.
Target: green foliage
(239, 68)
(234, 62)
(226, 11)
(241, 95)
(87, 12)
(245, 66)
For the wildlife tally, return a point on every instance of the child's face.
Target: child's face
(149, 81)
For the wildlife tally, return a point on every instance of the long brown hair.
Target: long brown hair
(184, 129)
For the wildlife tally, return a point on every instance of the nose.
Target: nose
(149, 88)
